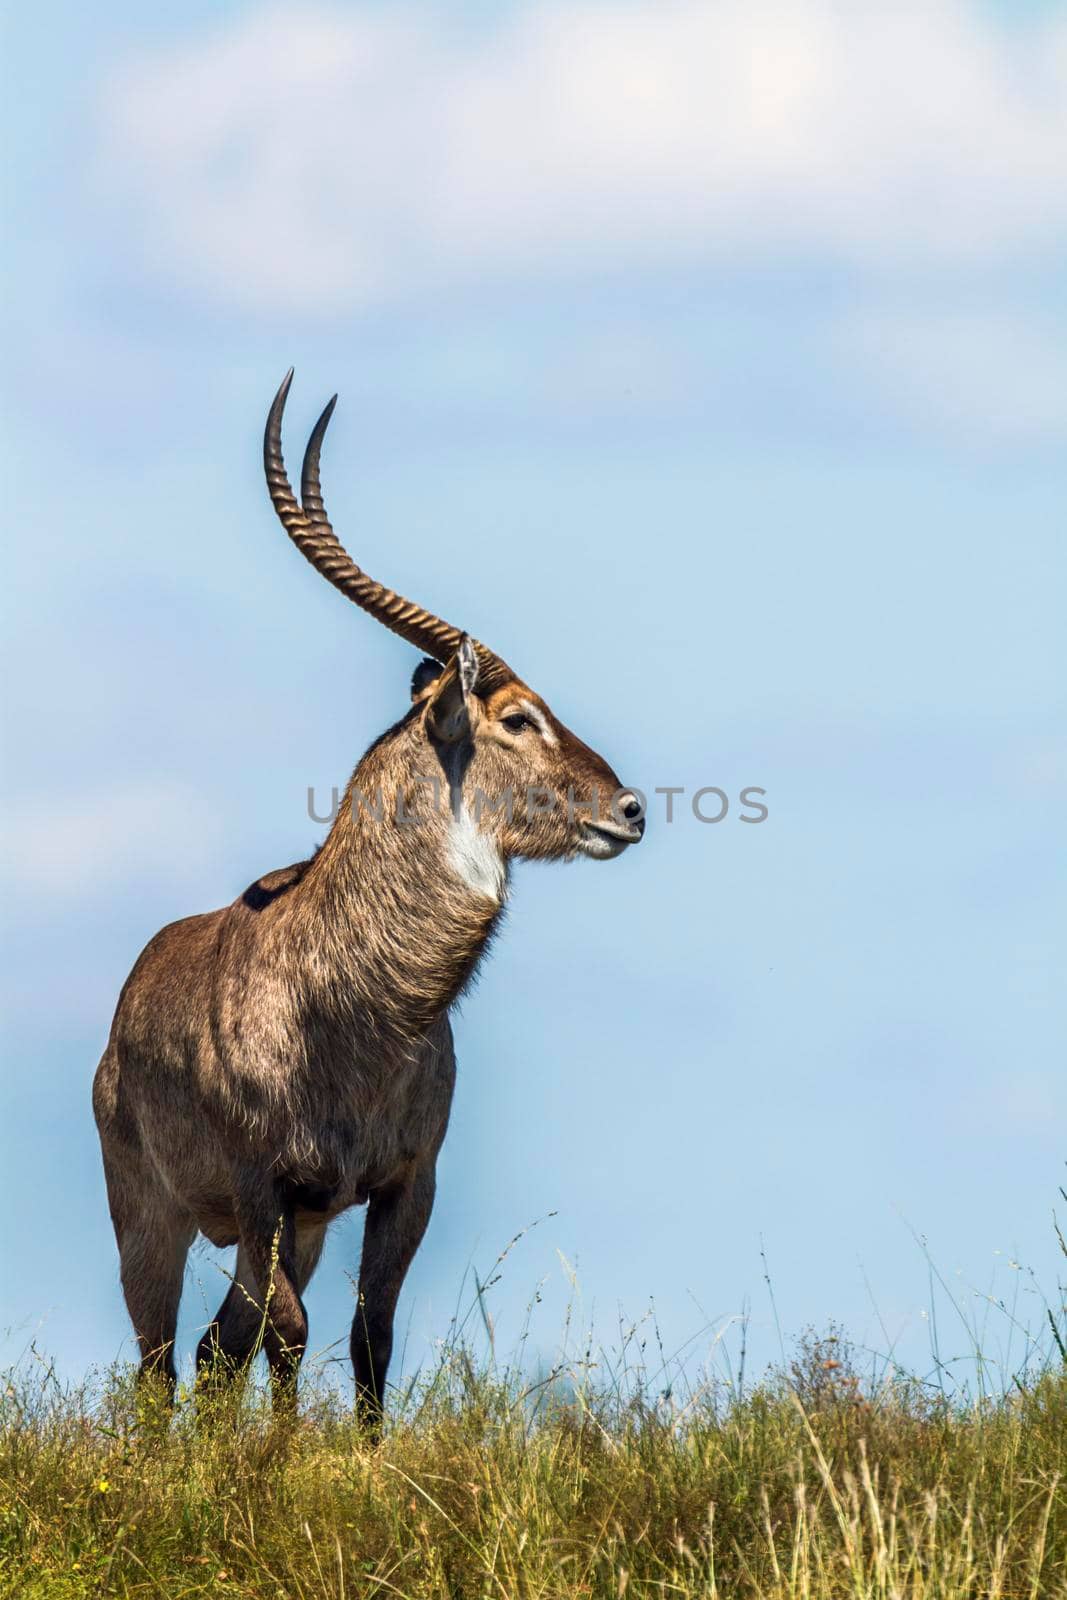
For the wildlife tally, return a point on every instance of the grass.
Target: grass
(821, 1480)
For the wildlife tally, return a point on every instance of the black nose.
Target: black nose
(628, 808)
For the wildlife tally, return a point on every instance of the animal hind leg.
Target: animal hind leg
(232, 1336)
(153, 1235)
(152, 1253)
(310, 1238)
(235, 1332)
(266, 1221)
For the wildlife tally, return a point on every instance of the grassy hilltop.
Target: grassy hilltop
(811, 1485)
(835, 1475)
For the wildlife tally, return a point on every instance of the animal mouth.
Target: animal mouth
(602, 841)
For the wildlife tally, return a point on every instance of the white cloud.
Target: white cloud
(305, 160)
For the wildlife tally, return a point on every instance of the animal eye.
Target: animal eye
(516, 722)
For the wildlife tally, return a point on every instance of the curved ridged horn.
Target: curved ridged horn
(309, 528)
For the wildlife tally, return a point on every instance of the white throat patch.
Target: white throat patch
(475, 857)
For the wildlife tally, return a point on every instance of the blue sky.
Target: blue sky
(710, 362)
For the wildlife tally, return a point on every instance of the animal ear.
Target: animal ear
(449, 706)
(424, 677)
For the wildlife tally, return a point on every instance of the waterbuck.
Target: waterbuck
(276, 1062)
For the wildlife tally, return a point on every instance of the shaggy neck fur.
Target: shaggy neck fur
(405, 893)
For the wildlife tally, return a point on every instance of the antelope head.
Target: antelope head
(517, 778)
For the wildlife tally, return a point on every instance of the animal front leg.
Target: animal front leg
(396, 1222)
